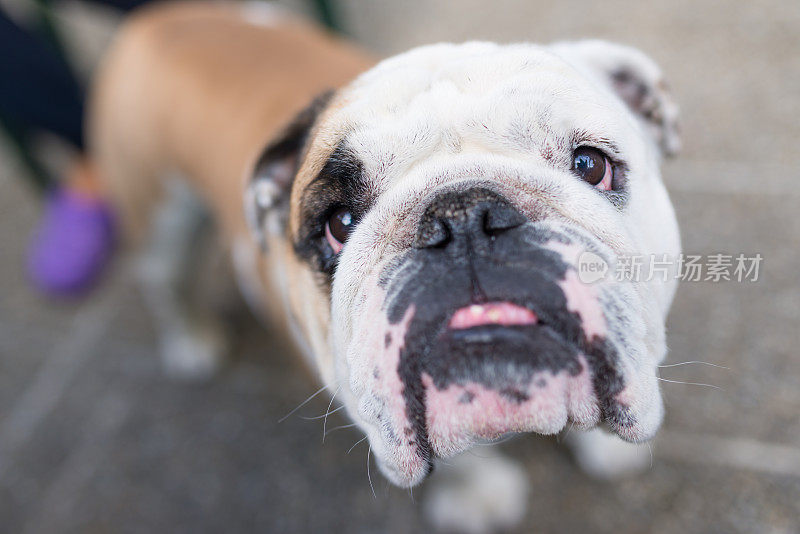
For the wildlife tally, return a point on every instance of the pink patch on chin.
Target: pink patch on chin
(499, 313)
(461, 413)
(582, 299)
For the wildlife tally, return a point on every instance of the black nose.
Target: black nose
(466, 218)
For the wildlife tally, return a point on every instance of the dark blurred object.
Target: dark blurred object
(326, 12)
(40, 92)
(38, 88)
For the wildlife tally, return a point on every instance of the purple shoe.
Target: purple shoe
(72, 244)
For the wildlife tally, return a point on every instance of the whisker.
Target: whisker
(697, 362)
(325, 415)
(355, 444)
(650, 447)
(369, 477)
(490, 443)
(334, 429)
(689, 383)
(328, 412)
(320, 390)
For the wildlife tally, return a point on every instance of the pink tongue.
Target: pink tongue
(502, 313)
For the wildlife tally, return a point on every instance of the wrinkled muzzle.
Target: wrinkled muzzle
(483, 328)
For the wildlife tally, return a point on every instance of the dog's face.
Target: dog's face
(431, 240)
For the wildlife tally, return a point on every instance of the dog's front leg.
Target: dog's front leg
(193, 341)
(477, 492)
(603, 455)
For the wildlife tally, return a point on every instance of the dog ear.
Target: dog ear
(638, 82)
(273, 174)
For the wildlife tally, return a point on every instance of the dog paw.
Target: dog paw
(477, 495)
(604, 456)
(193, 355)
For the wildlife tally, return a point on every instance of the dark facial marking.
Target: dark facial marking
(514, 395)
(280, 159)
(292, 141)
(631, 89)
(466, 397)
(453, 257)
(339, 185)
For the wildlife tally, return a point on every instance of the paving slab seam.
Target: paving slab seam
(49, 383)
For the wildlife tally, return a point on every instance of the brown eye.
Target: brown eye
(593, 166)
(338, 228)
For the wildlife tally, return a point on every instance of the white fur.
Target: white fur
(444, 114)
(477, 494)
(193, 354)
(193, 342)
(605, 456)
(458, 116)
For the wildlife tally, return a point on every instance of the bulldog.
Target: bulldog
(417, 229)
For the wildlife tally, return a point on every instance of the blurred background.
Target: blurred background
(93, 437)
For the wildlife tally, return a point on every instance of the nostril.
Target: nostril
(470, 216)
(488, 227)
(433, 233)
(501, 217)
